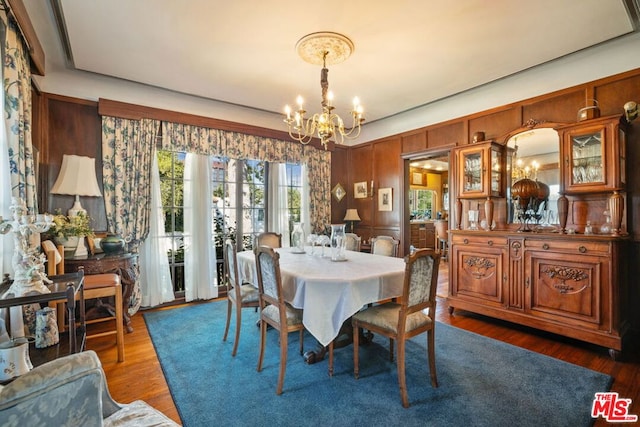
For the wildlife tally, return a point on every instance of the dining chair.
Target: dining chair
(269, 238)
(353, 241)
(384, 245)
(413, 314)
(274, 311)
(442, 240)
(239, 295)
(96, 286)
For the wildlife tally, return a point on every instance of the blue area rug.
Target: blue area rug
(482, 382)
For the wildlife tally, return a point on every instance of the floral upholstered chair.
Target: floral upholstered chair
(71, 391)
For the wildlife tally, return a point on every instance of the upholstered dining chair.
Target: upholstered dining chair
(269, 238)
(239, 295)
(413, 314)
(96, 286)
(353, 241)
(274, 311)
(384, 245)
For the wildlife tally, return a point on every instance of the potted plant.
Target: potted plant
(70, 231)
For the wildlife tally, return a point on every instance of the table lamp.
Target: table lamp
(352, 216)
(77, 178)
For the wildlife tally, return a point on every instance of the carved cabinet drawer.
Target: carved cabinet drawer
(483, 240)
(569, 246)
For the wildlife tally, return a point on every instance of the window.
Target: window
(421, 203)
(239, 204)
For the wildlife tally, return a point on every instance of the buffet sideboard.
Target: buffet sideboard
(571, 285)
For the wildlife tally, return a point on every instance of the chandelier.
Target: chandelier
(323, 48)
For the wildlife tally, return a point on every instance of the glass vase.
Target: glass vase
(338, 242)
(297, 238)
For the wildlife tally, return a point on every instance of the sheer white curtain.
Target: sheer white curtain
(155, 277)
(278, 208)
(305, 201)
(200, 252)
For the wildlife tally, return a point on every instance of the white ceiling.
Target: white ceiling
(408, 53)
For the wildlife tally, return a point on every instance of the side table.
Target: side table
(67, 287)
(125, 265)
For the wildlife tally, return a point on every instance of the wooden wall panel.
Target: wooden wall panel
(339, 174)
(495, 124)
(414, 142)
(74, 127)
(450, 134)
(613, 95)
(387, 167)
(559, 109)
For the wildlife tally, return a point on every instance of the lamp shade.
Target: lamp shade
(352, 215)
(77, 177)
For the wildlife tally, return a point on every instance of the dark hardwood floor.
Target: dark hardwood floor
(140, 375)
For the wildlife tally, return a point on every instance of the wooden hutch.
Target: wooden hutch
(567, 277)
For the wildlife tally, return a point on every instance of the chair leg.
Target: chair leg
(283, 360)
(226, 328)
(402, 380)
(119, 323)
(301, 341)
(263, 338)
(356, 347)
(390, 349)
(238, 323)
(331, 359)
(432, 357)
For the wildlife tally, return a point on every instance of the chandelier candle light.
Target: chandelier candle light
(323, 48)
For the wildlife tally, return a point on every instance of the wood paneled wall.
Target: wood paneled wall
(380, 161)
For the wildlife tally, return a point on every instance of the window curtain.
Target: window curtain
(127, 146)
(16, 78)
(6, 244)
(277, 202)
(235, 145)
(304, 202)
(199, 243)
(155, 277)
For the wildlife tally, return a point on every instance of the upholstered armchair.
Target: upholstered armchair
(71, 391)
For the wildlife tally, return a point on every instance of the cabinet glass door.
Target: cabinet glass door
(472, 171)
(496, 170)
(587, 158)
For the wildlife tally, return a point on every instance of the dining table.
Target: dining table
(330, 292)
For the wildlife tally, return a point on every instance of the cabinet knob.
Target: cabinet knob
(490, 243)
(466, 241)
(582, 249)
(545, 246)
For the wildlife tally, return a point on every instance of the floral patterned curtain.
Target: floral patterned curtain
(17, 107)
(127, 146)
(235, 145)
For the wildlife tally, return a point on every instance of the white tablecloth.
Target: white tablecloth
(331, 292)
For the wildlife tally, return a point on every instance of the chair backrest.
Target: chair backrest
(231, 265)
(55, 257)
(353, 241)
(442, 227)
(269, 279)
(420, 281)
(269, 238)
(384, 245)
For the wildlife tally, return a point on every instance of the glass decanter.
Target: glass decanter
(607, 227)
(338, 242)
(297, 238)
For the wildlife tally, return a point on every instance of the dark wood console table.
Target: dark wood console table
(125, 265)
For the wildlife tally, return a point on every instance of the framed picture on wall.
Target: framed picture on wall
(338, 192)
(385, 201)
(360, 190)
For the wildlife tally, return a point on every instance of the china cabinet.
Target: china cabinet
(480, 170)
(594, 156)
